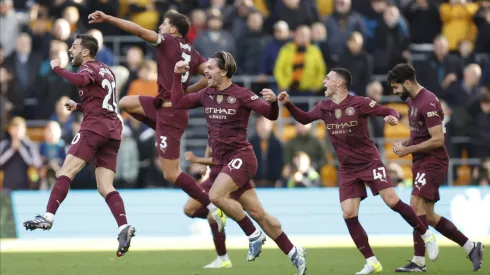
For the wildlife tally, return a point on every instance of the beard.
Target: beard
(405, 94)
(76, 61)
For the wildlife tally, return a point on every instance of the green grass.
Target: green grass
(332, 261)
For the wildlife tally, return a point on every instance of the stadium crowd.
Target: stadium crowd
(295, 41)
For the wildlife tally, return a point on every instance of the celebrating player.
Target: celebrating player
(227, 107)
(99, 137)
(158, 113)
(194, 209)
(346, 119)
(430, 164)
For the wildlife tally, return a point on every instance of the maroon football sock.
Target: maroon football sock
(359, 237)
(247, 225)
(418, 242)
(219, 239)
(116, 204)
(409, 215)
(189, 185)
(284, 243)
(148, 122)
(201, 213)
(449, 230)
(58, 193)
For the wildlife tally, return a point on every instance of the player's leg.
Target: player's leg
(141, 108)
(474, 250)
(81, 152)
(272, 227)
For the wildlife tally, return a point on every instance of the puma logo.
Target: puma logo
(433, 104)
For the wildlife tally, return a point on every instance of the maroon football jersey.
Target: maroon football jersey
(170, 51)
(99, 101)
(227, 113)
(425, 111)
(347, 127)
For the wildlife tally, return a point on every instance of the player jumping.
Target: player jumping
(346, 119)
(158, 113)
(227, 107)
(430, 164)
(99, 137)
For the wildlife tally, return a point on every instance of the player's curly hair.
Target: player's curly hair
(90, 43)
(401, 73)
(180, 21)
(226, 62)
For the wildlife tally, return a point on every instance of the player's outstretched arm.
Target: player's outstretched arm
(201, 84)
(125, 25)
(78, 79)
(179, 101)
(71, 105)
(268, 107)
(298, 114)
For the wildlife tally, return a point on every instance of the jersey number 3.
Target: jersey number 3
(111, 92)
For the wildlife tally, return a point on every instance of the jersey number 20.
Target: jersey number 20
(111, 92)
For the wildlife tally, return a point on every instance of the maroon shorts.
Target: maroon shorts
(427, 180)
(88, 145)
(171, 124)
(352, 184)
(242, 167)
(208, 183)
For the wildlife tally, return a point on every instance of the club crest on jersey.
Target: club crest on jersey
(338, 113)
(219, 99)
(231, 99)
(350, 111)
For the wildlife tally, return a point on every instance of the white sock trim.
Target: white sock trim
(468, 246)
(291, 253)
(49, 216)
(122, 227)
(223, 258)
(255, 234)
(426, 235)
(419, 260)
(372, 259)
(211, 207)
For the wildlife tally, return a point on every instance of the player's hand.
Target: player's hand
(283, 97)
(71, 105)
(400, 150)
(268, 95)
(181, 67)
(203, 169)
(391, 120)
(189, 156)
(97, 17)
(55, 63)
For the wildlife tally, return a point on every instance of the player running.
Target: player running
(346, 119)
(227, 107)
(158, 113)
(99, 137)
(430, 164)
(194, 209)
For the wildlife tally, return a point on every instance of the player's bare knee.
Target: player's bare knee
(257, 213)
(349, 213)
(189, 210)
(418, 205)
(105, 189)
(216, 198)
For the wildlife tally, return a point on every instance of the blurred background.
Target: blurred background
(278, 44)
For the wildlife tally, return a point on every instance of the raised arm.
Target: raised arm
(298, 114)
(125, 25)
(201, 84)
(370, 107)
(78, 79)
(267, 107)
(179, 101)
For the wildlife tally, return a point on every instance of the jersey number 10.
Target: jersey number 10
(111, 92)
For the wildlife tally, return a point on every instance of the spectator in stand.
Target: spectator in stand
(462, 93)
(479, 130)
(109, 7)
(268, 150)
(304, 141)
(302, 173)
(104, 54)
(271, 50)
(127, 162)
(376, 124)
(72, 16)
(235, 17)
(441, 69)
(65, 118)
(300, 67)
(423, 16)
(457, 21)
(482, 21)
(198, 23)
(17, 155)
(52, 152)
(11, 100)
(481, 174)
(295, 13)
(146, 84)
(454, 150)
(251, 45)
(397, 175)
(61, 32)
(341, 24)
(392, 44)
(24, 64)
(358, 62)
(134, 59)
(465, 52)
(319, 38)
(214, 38)
(56, 48)
(144, 13)
(12, 24)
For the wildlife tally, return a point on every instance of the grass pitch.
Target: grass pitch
(452, 260)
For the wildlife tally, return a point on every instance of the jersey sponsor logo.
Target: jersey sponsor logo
(219, 113)
(350, 111)
(342, 128)
(219, 99)
(254, 97)
(231, 99)
(432, 114)
(338, 113)
(372, 103)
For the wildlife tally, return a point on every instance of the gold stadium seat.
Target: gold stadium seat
(36, 133)
(407, 171)
(320, 131)
(464, 175)
(289, 132)
(402, 108)
(328, 174)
